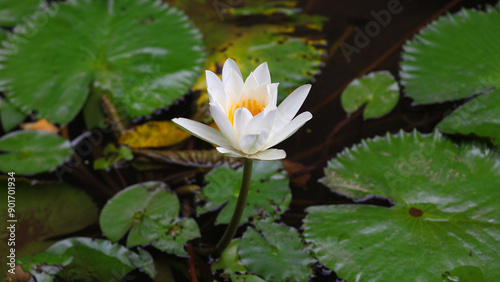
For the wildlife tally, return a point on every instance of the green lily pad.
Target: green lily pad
(268, 197)
(230, 265)
(43, 210)
(113, 157)
(12, 11)
(145, 54)
(379, 90)
(276, 255)
(85, 259)
(149, 213)
(444, 222)
(480, 116)
(454, 58)
(9, 115)
(32, 151)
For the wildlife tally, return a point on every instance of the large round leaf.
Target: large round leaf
(379, 90)
(445, 221)
(454, 58)
(268, 197)
(145, 54)
(12, 11)
(149, 213)
(277, 255)
(32, 151)
(86, 259)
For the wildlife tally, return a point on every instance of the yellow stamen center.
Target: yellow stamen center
(251, 105)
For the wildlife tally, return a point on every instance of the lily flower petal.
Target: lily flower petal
(227, 69)
(241, 118)
(224, 125)
(270, 155)
(216, 89)
(202, 131)
(291, 105)
(262, 73)
(249, 121)
(288, 130)
(252, 143)
(234, 84)
(230, 152)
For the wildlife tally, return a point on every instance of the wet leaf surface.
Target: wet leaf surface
(379, 90)
(13, 11)
(149, 213)
(129, 56)
(277, 254)
(26, 152)
(84, 259)
(480, 116)
(455, 58)
(444, 216)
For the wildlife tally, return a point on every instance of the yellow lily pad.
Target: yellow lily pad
(153, 134)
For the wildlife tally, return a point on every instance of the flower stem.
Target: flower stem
(238, 210)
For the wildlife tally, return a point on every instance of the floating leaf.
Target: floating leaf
(9, 115)
(12, 11)
(145, 54)
(455, 58)
(32, 151)
(149, 213)
(44, 210)
(480, 116)
(445, 217)
(85, 259)
(193, 158)
(113, 157)
(268, 197)
(230, 264)
(277, 255)
(379, 90)
(154, 134)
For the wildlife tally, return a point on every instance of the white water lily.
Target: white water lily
(250, 123)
